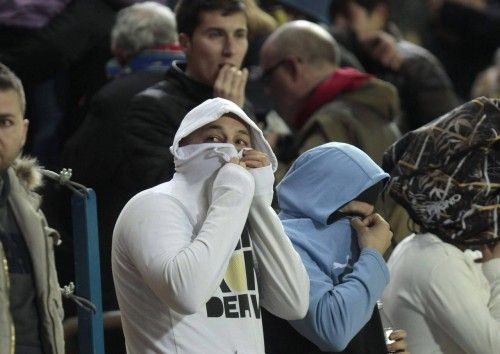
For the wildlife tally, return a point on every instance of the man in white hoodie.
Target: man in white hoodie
(195, 258)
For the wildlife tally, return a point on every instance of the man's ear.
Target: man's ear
(184, 42)
(382, 11)
(119, 54)
(296, 68)
(25, 131)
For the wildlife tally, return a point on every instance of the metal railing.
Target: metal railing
(87, 265)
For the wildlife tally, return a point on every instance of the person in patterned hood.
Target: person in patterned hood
(446, 174)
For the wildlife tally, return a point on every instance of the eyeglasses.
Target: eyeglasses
(267, 74)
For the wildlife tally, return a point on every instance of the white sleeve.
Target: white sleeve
(491, 270)
(183, 269)
(283, 280)
(465, 304)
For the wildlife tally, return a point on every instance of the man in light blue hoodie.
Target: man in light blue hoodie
(326, 202)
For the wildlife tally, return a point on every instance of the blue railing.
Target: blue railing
(87, 272)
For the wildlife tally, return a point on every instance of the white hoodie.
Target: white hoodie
(194, 258)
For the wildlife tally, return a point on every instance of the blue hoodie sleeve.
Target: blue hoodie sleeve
(337, 312)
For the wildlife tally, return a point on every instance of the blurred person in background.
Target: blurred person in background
(487, 82)
(144, 43)
(59, 49)
(323, 103)
(364, 28)
(466, 34)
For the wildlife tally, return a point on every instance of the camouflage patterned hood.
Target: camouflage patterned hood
(446, 174)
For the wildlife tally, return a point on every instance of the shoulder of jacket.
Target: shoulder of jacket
(28, 172)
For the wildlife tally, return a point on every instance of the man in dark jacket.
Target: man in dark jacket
(363, 27)
(213, 35)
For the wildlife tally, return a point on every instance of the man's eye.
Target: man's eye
(213, 139)
(5, 122)
(214, 34)
(242, 142)
(241, 34)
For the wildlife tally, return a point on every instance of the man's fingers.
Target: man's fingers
(398, 334)
(234, 77)
(221, 78)
(243, 80)
(400, 345)
(255, 159)
(368, 221)
(487, 254)
(357, 224)
(254, 164)
(234, 160)
(373, 219)
(230, 84)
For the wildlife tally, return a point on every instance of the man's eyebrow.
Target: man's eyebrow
(213, 126)
(244, 131)
(219, 127)
(6, 115)
(214, 28)
(221, 29)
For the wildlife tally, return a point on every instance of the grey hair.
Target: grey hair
(9, 81)
(143, 26)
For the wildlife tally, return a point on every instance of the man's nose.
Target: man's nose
(229, 44)
(237, 147)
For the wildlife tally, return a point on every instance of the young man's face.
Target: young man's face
(13, 128)
(226, 129)
(360, 20)
(218, 40)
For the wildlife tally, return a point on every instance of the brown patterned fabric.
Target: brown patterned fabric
(446, 174)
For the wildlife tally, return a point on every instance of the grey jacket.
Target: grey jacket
(24, 177)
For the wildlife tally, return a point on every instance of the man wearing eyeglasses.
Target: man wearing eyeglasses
(300, 69)
(322, 102)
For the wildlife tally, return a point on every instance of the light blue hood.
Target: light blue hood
(325, 178)
(342, 277)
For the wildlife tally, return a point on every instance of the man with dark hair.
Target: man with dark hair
(213, 35)
(30, 300)
(363, 27)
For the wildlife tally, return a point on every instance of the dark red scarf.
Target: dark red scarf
(342, 80)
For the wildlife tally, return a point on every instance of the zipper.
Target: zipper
(49, 301)
(12, 328)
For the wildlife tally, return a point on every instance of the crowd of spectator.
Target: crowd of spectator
(372, 120)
